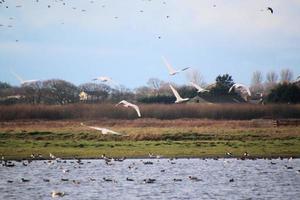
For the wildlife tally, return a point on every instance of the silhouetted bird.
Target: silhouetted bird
(270, 9)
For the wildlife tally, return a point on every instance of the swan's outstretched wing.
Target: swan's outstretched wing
(17, 76)
(185, 68)
(171, 70)
(137, 109)
(176, 94)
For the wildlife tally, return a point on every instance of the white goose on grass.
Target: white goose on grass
(104, 131)
(179, 99)
(241, 87)
(22, 81)
(171, 69)
(198, 87)
(127, 104)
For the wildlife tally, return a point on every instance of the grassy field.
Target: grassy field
(169, 138)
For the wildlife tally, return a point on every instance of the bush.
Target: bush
(285, 93)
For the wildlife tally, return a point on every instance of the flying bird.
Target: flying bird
(199, 88)
(104, 79)
(241, 87)
(22, 81)
(104, 131)
(178, 97)
(171, 70)
(270, 9)
(127, 104)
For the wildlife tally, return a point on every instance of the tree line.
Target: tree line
(60, 92)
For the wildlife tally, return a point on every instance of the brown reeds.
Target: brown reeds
(157, 111)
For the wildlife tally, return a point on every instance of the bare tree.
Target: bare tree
(256, 82)
(271, 81)
(195, 76)
(286, 75)
(271, 77)
(155, 84)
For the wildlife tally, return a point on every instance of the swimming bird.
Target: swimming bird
(55, 194)
(193, 178)
(270, 9)
(127, 104)
(104, 131)
(178, 97)
(149, 180)
(171, 69)
(198, 87)
(241, 87)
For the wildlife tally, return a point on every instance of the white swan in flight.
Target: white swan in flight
(22, 81)
(171, 69)
(178, 97)
(104, 131)
(104, 79)
(241, 87)
(198, 87)
(127, 104)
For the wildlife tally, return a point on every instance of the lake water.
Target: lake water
(217, 179)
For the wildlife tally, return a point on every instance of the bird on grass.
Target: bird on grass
(171, 69)
(179, 99)
(127, 104)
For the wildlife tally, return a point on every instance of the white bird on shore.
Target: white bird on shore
(22, 81)
(171, 69)
(127, 104)
(104, 131)
(198, 87)
(178, 97)
(52, 156)
(105, 79)
(240, 86)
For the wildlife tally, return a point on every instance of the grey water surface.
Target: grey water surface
(215, 179)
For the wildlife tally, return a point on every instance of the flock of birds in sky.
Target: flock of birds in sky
(4, 4)
(172, 71)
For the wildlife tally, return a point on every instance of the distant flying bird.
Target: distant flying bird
(22, 81)
(127, 104)
(104, 131)
(240, 86)
(178, 97)
(198, 87)
(171, 70)
(105, 79)
(270, 9)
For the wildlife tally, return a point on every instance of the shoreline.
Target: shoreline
(284, 157)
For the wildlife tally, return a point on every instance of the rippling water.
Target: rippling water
(218, 179)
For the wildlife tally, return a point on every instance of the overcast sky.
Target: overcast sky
(120, 39)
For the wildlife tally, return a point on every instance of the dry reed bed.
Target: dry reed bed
(157, 111)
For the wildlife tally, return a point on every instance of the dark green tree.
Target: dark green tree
(285, 93)
(223, 84)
